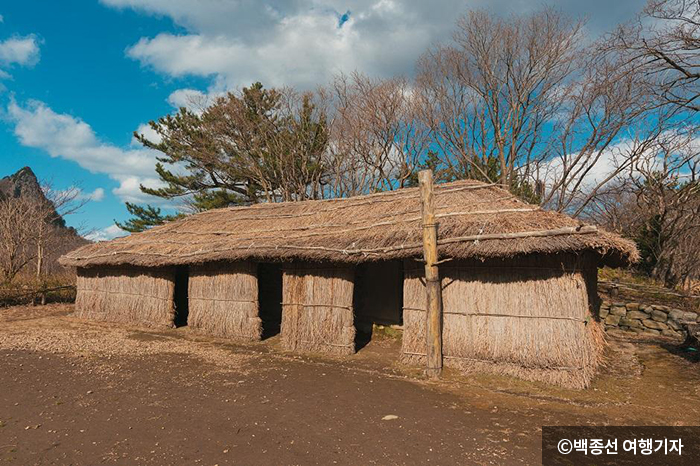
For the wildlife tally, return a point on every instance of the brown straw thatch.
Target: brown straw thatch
(223, 300)
(318, 309)
(128, 295)
(530, 318)
(476, 220)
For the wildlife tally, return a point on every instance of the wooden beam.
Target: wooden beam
(432, 276)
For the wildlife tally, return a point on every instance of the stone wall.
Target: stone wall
(648, 319)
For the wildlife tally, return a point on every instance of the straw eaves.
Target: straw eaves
(476, 220)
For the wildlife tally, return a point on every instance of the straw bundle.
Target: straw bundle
(223, 300)
(128, 295)
(317, 309)
(528, 318)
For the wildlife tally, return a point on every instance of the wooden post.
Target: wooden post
(432, 276)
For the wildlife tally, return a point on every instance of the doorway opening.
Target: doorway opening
(181, 298)
(378, 298)
(270, 298)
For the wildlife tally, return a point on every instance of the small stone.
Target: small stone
(618, 304)
(618, 311)
(603, 312)
(632, 306)
(648, 331)
(89, 392)
(634, 323)
(659, 316)
(638, 315)
(389, 417)
(675, 314)
(658, 307)
(690, 316)
(674, 325)
(612, 320)
(605, 304)
(652, 324)
(671, 333)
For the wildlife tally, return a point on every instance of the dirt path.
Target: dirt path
(76, 392)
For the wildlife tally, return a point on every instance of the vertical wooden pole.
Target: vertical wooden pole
(432, 276)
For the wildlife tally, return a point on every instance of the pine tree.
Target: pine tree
(256, 145)
(144, 218)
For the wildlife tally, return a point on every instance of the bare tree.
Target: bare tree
(525, 102)
(18, 221)
(376, 138)
(52, 232)
(608, 121)
(489, 96)
(32, 227)
(664, 43)
(658, 204)
(668, 195)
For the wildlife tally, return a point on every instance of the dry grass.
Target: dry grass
(317, 309)
(358, 229)
(26, 288)
(130, 295)
(509, 333)
(223, 300)
(47, 329)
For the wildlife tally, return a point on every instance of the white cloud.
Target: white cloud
(624, 158)
(129, 189)
(147, 131)
(97, 195)
(106, 234)
(20, 51)
(300, 43)
(67, 137)
(23, 51)
(189, 98)
(78, 194)
(591, 173)
(304, 51)
(303, 42)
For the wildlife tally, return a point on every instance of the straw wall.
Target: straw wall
(223, 300)
(529, 318)
(128, 295)
(317, 309)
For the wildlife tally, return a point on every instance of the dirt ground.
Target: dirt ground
(85, 393)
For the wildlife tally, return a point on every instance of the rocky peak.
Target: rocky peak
(22, 183)
(25, 184)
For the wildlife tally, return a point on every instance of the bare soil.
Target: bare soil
(85, 393)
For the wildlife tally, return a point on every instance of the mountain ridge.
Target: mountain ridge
(24, 183)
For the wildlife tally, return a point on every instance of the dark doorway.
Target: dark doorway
(270, 298)
(378, 298)
(182, 281)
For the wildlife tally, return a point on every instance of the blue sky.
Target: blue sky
(77, 77)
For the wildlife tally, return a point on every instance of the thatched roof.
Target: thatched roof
(476, 220)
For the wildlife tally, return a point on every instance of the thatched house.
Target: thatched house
(518, 282)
